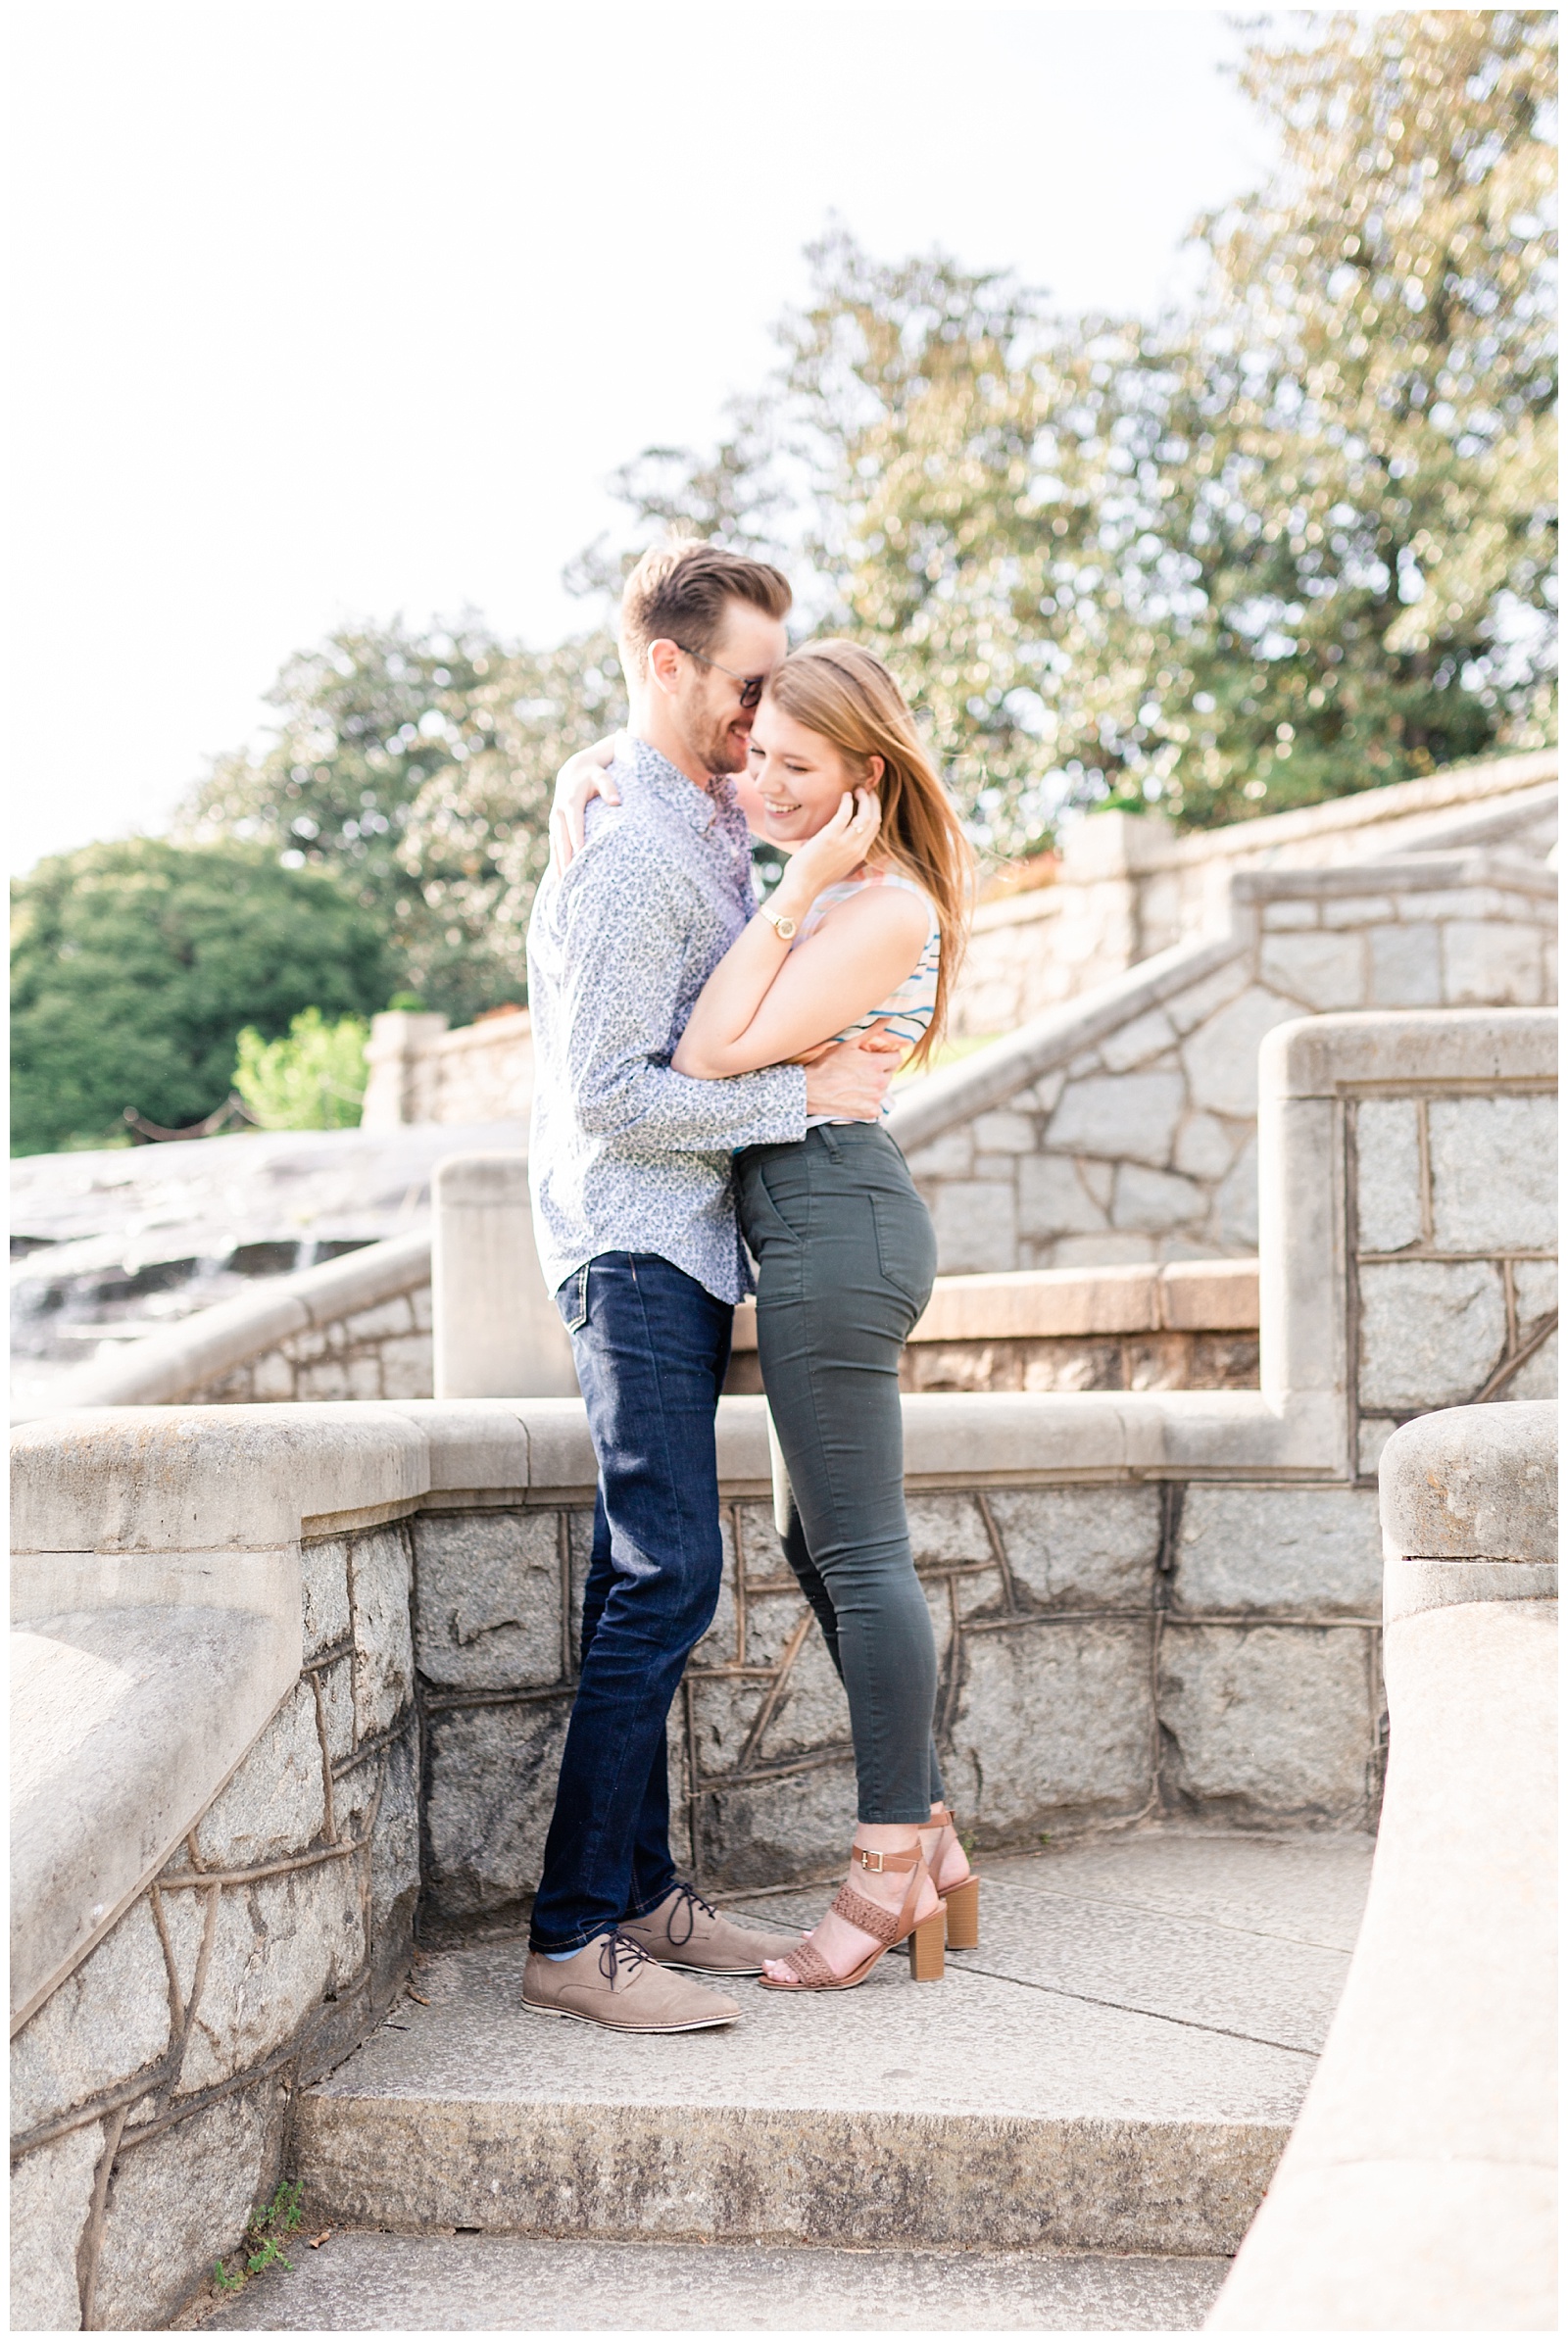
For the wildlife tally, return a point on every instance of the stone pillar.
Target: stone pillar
(498, 1333)
(398, 1040)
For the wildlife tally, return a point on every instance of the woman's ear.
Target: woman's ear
(874, 769)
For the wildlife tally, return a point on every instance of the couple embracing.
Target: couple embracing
(711, 1082)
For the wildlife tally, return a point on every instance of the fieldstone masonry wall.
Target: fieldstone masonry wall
(1107, 1652)
(1129, 886)
(378, 1352)
(1455, 1240)
(1140, 1142)
(149, 2094)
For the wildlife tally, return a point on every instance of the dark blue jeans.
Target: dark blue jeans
(652, 1348)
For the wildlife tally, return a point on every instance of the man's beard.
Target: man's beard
(720, 748)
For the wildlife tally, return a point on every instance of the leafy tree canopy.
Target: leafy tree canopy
(134, 966)
(417, 767)
(1294, 541)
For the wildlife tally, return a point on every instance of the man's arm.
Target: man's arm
(621, 917)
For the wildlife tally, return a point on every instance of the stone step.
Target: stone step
(363, 2283)
(1114, 2070)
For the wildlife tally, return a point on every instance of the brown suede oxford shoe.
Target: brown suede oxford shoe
(687, 1932)
(612, 1981)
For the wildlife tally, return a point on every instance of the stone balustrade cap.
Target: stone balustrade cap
(168, 1479)
(1473, 1483)
(1321, 1056)
(501, 1177)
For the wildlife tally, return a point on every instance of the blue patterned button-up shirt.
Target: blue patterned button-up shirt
(625, 1154)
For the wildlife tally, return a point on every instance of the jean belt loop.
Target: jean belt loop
(830, 1140)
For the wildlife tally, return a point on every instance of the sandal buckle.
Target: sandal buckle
(869, 1861)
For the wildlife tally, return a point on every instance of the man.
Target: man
(637, 1235)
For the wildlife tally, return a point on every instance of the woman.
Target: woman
(864, 928)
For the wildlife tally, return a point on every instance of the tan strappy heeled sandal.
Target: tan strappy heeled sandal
(924, 1936)
(961, 1900)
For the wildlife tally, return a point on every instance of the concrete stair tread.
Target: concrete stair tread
(371, 2283)
(978, 2043)
(1099, 2076)
(1297, 1889)
(1183, 1968)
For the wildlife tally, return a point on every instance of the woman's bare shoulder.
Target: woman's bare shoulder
(878, 910)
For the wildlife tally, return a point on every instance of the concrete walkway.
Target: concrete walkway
(1088, 2110)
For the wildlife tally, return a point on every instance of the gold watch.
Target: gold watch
(786, 929)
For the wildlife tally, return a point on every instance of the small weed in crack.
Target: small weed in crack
(263, 2242)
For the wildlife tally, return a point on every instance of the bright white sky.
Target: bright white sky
(337, 311)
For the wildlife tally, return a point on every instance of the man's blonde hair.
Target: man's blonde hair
(677, 592)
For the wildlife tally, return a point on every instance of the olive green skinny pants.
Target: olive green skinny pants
(846, 1256)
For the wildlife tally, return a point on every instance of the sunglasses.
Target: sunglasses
(752, 685)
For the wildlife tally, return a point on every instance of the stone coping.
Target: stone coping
(101, 1485)
(1391, 1048)
(1062, 1303)
(1473, 1483)
(1418, 2191)
(162, 1368)
(126, 1721)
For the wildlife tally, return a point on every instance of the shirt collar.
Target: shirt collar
(696, 807)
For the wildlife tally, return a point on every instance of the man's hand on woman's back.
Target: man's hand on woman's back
(851, 1079)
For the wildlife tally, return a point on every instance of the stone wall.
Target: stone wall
(421, 1072)
(351, 1328)
(1107, 1652)
(1130, 886)
(1146, 1602)
(150, 2091)
(1123, 1127)
(378, 1352)
(1456, 1268)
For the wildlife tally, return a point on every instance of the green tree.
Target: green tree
(1294, 541)
(136, 966)
(417, 767)
(311, 1078)
(1359, 461)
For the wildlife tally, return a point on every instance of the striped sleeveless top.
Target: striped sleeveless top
(908, 1010)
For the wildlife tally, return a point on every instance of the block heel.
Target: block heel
(962, 1906)
(927, 1950)
(961, 1899)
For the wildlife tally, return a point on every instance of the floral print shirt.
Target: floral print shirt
(625, 1154)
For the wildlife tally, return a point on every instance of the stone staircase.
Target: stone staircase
(1073, 2131)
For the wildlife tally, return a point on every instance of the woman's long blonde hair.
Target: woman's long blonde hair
(844, 694)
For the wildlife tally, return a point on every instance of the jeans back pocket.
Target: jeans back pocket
(571, 1298)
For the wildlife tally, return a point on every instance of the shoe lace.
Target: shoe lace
(617, 1952)
(688, 1903)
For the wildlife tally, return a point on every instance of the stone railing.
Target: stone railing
(1123, 1125)
(1418, 2192)
(1147, 1600)
(353, 1328)
(465, 1315)
(1129, 885)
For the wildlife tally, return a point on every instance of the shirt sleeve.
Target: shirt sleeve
(620, 999)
